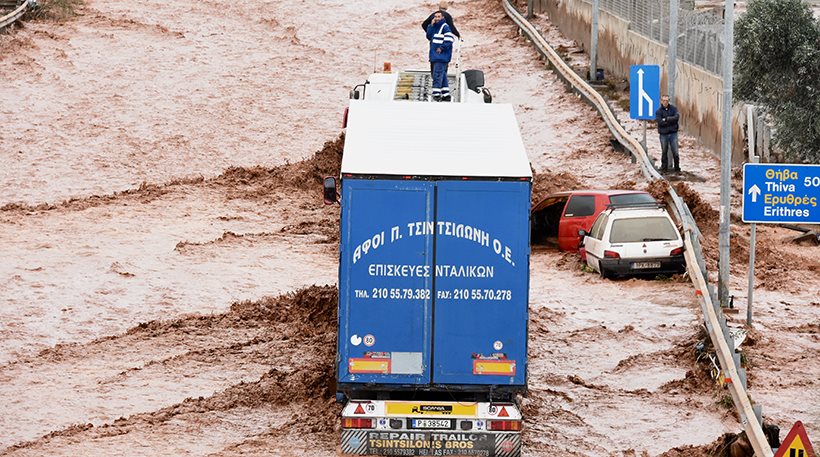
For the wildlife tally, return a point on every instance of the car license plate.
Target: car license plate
(446, 424)
(645, 265)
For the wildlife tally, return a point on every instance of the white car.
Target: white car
(634, 240)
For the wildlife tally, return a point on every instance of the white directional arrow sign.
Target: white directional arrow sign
(754, 191)
(644, 91)
(643, 95)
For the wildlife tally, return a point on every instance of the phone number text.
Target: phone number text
(385, 293)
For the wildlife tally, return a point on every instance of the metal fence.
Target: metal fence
(700, 33)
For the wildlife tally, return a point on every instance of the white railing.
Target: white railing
(713, 316)
(8, 19)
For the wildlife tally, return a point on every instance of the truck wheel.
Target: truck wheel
(605, 274)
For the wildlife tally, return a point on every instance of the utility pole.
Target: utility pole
(726, 152)
(750, 116)
(529, 9)
(672, 56)
(593, 53)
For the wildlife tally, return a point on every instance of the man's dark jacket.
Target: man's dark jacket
(447, 18)
(671, 116)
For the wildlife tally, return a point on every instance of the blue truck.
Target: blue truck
(433, 279)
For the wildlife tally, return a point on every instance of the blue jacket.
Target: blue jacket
(667, 119)
(441, 40)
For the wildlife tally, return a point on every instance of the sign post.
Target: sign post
(644, 93)
(753, 235)
(777, 193)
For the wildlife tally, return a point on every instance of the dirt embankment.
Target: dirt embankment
(258, 183)
(545, 183)
(266, 184)
(299, 182)
(300, 324)
(775, 268)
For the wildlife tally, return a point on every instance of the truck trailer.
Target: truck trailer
(433, 279)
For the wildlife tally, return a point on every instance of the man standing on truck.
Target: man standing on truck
(441, 51)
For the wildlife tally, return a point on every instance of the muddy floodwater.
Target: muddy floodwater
(168, 274)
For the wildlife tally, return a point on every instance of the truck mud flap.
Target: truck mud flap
(418, 443)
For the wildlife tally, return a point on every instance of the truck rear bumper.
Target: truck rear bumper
(430, 443)
(431, 428)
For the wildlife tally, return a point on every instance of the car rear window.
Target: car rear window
(628, 199)
(580, 205)
(642, 229)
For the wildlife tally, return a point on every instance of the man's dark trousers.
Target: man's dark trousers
(669, 143)
(440, 84)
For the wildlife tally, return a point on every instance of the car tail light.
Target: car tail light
(357, 422)
(676, 251)
(344, 119)
(612, 255)
(504, 425)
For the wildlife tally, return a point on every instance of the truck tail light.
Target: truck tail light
(357, 422)
(344, 119)
(676, 251)
(505, 426)
(611, 255)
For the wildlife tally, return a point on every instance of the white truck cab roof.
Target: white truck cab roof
(434, 139)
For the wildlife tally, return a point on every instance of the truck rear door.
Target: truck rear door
(481, 282)
(387, 273)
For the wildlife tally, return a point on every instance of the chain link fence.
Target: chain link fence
(700, 33)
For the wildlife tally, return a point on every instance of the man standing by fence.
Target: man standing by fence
(667, 118)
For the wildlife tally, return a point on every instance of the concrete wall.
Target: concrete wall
(698, 93)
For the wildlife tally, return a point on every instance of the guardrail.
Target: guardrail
(8, 19)
(696, 266)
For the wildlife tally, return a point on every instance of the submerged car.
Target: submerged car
(557, 218)
(634, 240)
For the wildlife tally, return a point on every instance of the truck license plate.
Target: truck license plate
(645, 265)
(446, 424)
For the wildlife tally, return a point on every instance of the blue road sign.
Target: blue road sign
(781, 193)
(644, 91)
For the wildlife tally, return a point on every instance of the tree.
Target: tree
(777, 65)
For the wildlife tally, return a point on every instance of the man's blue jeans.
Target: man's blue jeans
(669, 143)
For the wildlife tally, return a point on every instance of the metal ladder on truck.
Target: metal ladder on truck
(417, 86)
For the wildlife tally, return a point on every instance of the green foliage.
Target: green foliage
(56, 9)
(726, 401)
(777, 65)
(745, 362)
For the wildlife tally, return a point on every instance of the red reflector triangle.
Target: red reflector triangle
(359, 409)
(503, 412)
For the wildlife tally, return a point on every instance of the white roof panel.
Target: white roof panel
(433, 139)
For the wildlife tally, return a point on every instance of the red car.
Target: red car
(557, 218)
